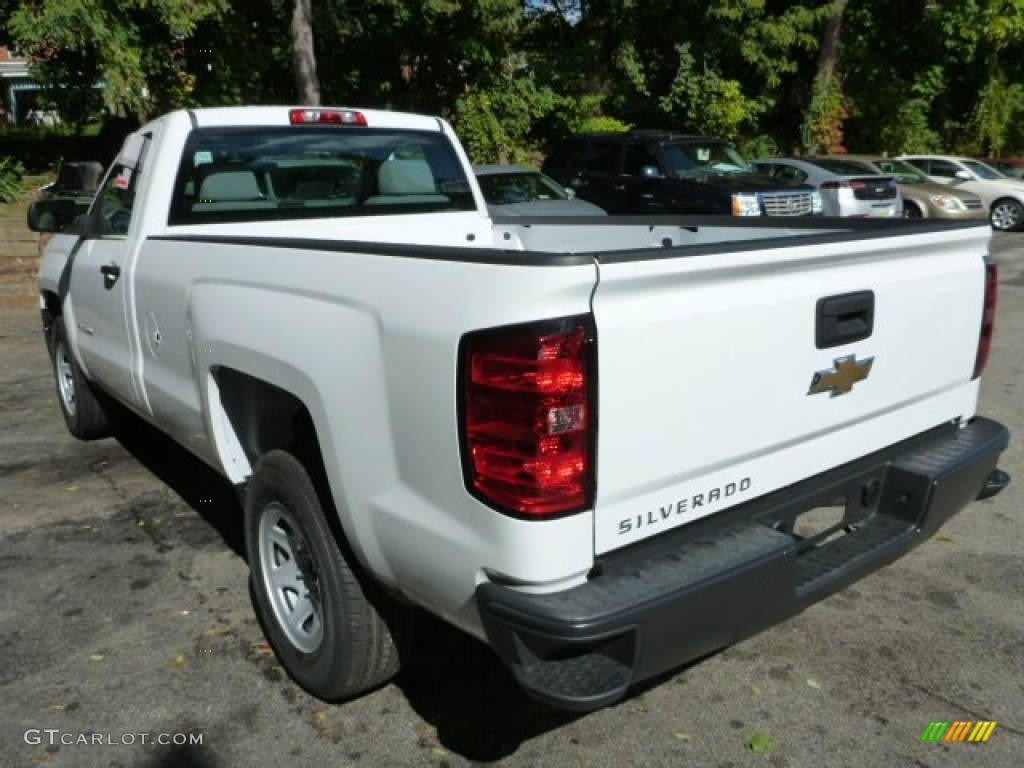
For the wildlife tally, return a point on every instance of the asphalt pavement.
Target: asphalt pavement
(127, 637)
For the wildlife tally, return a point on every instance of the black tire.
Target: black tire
(1007, 215)
(911, 211)
(336, 634)
(83, 411)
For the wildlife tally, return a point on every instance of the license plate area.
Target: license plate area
(827, 518)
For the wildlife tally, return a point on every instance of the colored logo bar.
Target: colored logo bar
(958, 730)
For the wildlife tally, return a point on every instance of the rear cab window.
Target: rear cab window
(248, 174)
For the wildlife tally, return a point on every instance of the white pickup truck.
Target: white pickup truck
(604, 447)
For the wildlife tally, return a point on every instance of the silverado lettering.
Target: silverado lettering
(424, 408)
(682, 506)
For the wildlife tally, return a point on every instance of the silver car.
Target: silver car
(922, 197)
(846, 188)
(512, 190)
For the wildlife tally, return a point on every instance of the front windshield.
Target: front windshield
(505, 188)
(981, 170)
(693, 157)
(903, 171)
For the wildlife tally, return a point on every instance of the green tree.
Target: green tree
(134, 49)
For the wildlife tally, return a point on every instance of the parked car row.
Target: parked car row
(1002, 196)
(652, 172)
(847, 188)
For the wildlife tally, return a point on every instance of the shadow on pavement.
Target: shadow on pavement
(458, 685)
(208, 492)
(453, 681)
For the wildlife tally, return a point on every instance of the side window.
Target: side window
(116, 200)
(565, 157)
(943, 168)
(789, 173)
(637, 156)
(604, 157)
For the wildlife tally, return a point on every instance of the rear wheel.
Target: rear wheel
(336, 634)
(83, 413)
(1007, 215)
(910, 210)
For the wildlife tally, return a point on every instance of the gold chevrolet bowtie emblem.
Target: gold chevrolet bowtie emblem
(840, 378)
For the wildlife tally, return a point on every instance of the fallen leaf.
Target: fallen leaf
(755, 689)
(945, 537)
(96, 657)
(179, 661)
(760, 743)
(264, 649)
(814, 683)
(682, 736)
(440, 751)
(320, 714)
(58, 707)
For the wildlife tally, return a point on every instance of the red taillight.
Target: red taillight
(988, 317)
(315, 116)
(527, 420)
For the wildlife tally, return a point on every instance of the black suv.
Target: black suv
(655, 172)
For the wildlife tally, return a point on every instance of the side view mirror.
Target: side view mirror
(962, 175)
(570, 193)
(54, 214)
(650, 172)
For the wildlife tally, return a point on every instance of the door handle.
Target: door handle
(844, 319)
(111, 272)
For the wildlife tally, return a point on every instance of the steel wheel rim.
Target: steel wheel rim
(290, 577)
(65, 379)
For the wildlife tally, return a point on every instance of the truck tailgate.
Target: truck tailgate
(724, 376)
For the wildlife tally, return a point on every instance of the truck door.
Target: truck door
(97, 295)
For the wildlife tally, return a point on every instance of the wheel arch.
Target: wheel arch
(50, 308)
(251, 416)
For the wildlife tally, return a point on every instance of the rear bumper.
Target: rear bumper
(669, 600)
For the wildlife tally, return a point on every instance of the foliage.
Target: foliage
(11, 173)
(909, 131)
(700, 99)
(1000, 107)
(494, 126)
(602, 123)
(946, 75)
(823, 123)
(135, 48)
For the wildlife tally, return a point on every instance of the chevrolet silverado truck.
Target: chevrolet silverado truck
(604, 447)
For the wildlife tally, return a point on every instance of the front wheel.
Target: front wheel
(83, 413)
(335, 634)
(1007, 215)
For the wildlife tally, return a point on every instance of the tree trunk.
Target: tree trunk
(828, 57)
(307, 84)
(823, 122)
